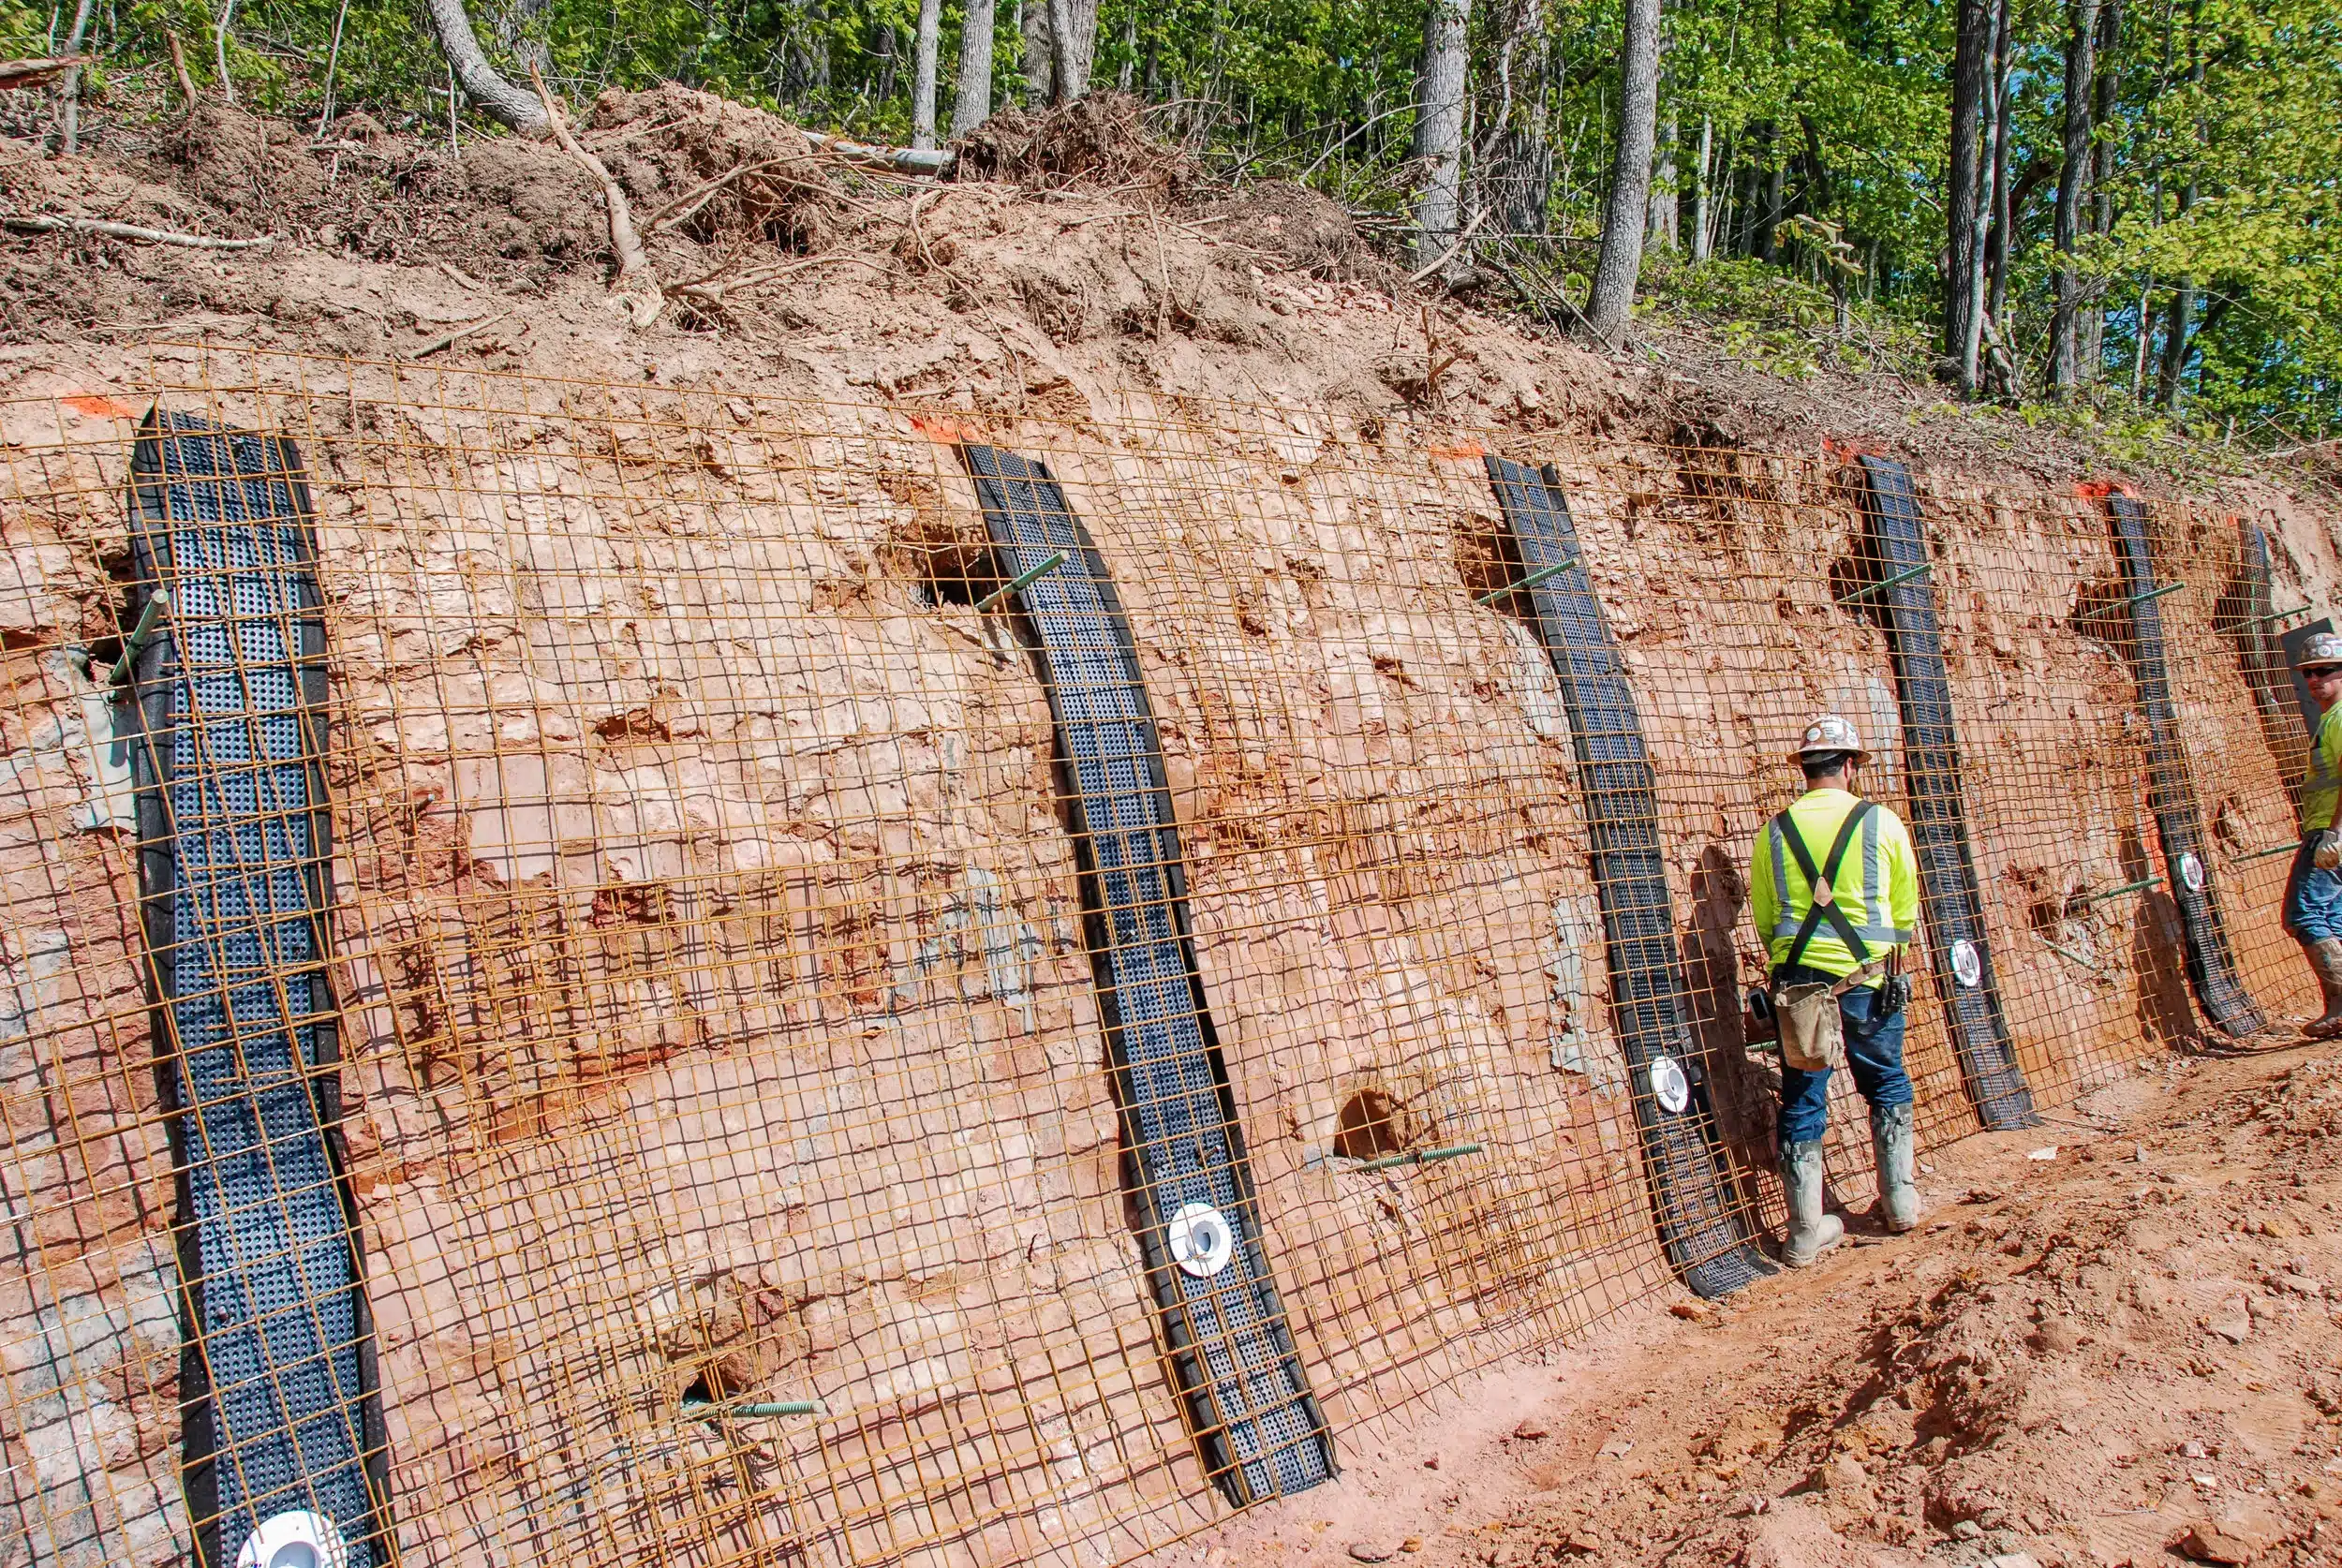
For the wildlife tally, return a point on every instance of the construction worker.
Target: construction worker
(2313, 894)
(1835, 892)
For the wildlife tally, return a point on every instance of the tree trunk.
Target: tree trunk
(512, 106)
(974, 103)
(2065, 339)
(2110, 86)
(1971, 79)
(1439, 126)
(1626, 217)
(923, 54)
(1667, 211)
(1768, 220)
(1040, 41)
(514, 24)
(69, 91)
(2175, 341)
(1703, 202)
(1996, 296)
(1073, 30)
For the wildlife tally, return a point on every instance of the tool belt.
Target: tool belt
(1812, 1034)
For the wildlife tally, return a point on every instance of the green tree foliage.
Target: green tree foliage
(1825, 124)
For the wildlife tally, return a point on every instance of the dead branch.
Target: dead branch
(636, 281)
(452, 339)
(40, 73)
(1448, 255)
(41, 223)
(681, 209)
(179, 68)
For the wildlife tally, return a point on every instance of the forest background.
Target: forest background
(2113, 212)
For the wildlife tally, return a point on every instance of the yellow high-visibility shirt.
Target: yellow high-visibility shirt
(1877, 884)
(2322, 789)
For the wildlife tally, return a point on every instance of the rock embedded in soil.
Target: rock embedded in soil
(1531, 1430)
(1372, 1551)
(2209, 1542)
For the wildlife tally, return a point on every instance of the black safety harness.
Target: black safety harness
(1824, 883)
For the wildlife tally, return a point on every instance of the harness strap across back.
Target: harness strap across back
(1825, 904)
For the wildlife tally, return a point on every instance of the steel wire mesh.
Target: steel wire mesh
(717, 1025)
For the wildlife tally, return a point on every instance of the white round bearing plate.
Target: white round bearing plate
(1202, 1240)
(1968, 965)
(296, 1538)
(2191, 872)
(1669, 1086)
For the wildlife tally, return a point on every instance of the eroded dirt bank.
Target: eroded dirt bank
(2128, 1352)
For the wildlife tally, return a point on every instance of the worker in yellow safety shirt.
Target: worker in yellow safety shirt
(2313, 894)
(1835, 892)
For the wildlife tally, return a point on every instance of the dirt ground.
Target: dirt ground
(2117, 1339)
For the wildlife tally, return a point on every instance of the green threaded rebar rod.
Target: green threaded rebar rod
(1543, 574)
(2127, 887)
(1022, 580)
(1898, 579)
(2134, 600)
(1420, 1157)
(785, 1407)
(140, 635)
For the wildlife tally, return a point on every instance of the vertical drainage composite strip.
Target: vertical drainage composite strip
(1698, 1213)
(1953, 905)
(1248, 1400)
(282, 1425)
(2256, 644)
(2172, 793)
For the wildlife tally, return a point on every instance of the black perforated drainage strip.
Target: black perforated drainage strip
(2257, 645)
(278, 1376)
(1698, 1214)
(2171, 792)
(1959, 950)
(1248, 1400)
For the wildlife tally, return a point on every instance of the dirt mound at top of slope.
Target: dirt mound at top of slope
(1304, 230)
(1098, 141)
(714, 168)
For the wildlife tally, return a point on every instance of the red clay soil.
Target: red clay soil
(2128, 1351)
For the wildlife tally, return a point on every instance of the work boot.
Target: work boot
(1891, 1142)
(2325, 956)
(1812, 1233)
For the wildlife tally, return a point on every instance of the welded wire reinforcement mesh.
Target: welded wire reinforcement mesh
(717, 1027)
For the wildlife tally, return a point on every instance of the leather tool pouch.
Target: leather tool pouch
(1813, 1038)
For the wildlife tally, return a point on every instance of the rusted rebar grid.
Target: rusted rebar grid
(727, 1121)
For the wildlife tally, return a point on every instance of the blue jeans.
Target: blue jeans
(2313, 898)
(1873, 1049)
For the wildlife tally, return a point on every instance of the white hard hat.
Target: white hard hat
(1831, 734)
(2319, 650)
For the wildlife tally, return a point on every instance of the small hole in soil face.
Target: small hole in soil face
(946, 568)
(1371, 1125)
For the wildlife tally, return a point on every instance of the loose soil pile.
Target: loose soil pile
(1070, 249)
